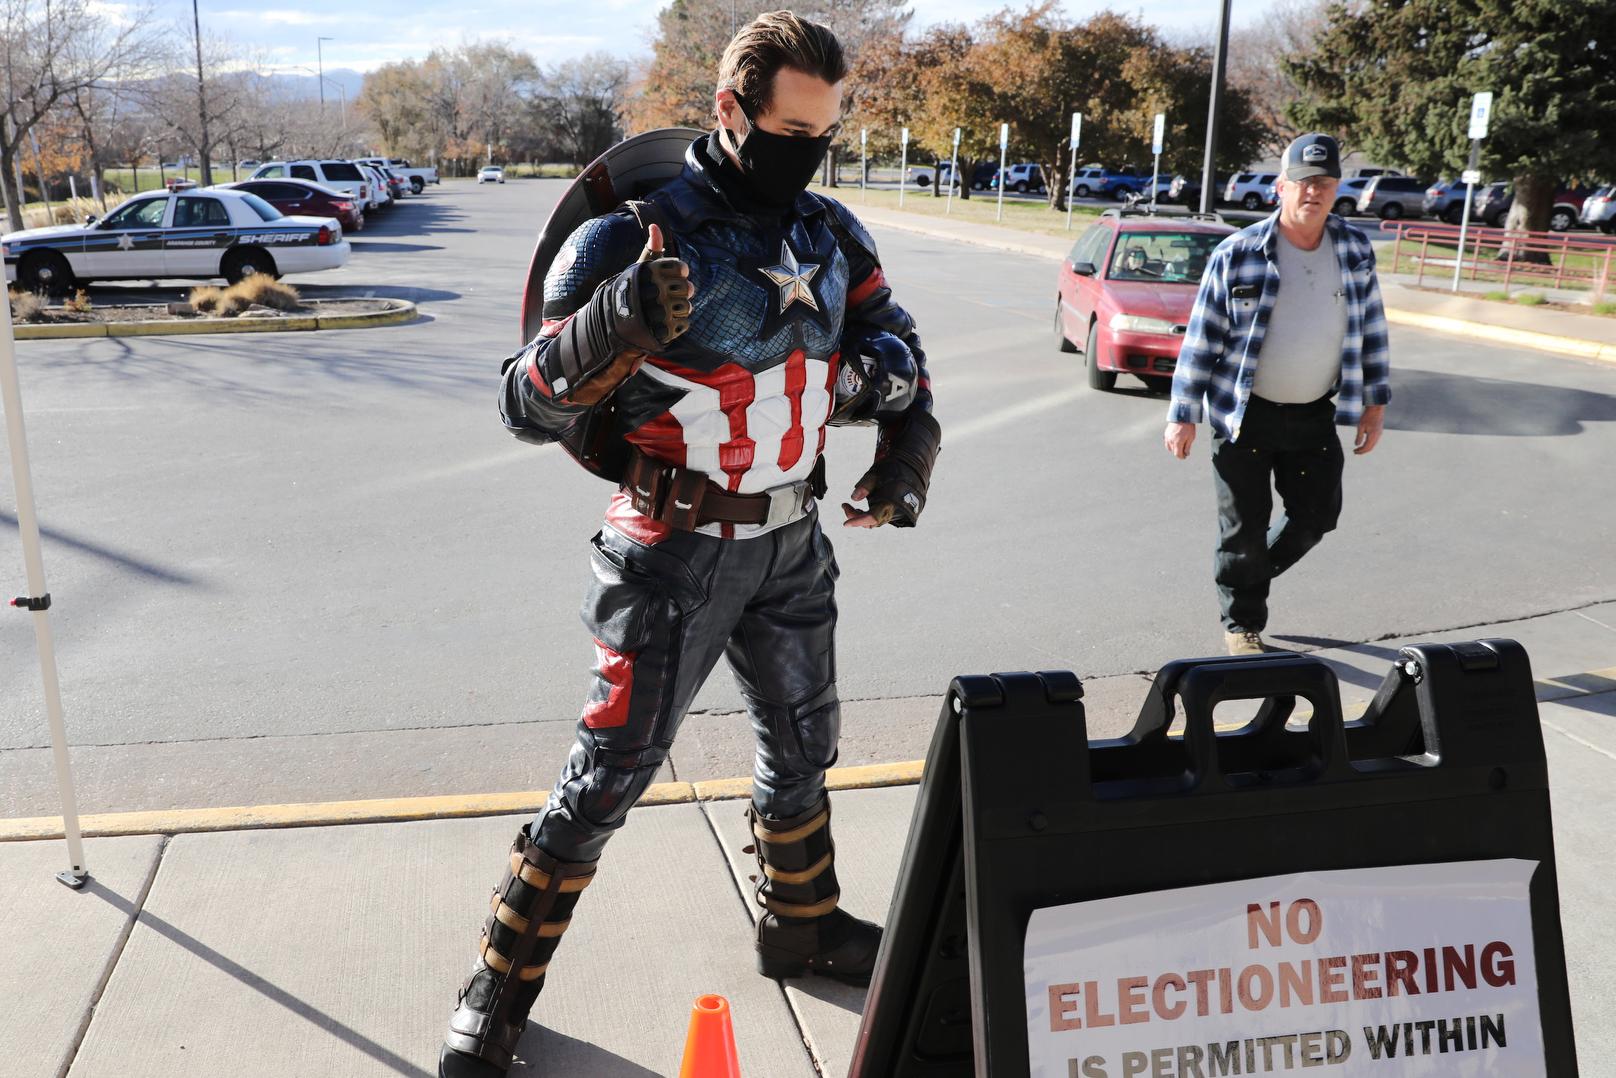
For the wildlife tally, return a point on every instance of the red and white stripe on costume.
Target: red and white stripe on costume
(749, 431)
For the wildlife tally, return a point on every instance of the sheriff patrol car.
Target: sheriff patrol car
(203, 233)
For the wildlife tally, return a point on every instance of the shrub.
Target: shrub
(266, 291)
(205, 299)
(26, 306)
(1605, 307)
(1502, 296)
(79, 303)
(1529, 299)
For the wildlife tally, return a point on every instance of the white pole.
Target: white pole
(38, 600)
(1156, 149)
(1071, 169)
(903, 166)
(953, 175)
(1004, 144)
(1464, 227)
(864, 163)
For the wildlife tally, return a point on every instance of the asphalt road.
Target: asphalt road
(326, 542)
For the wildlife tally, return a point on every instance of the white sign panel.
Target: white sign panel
(905, 136)
(1481, 110)
(1004, 135)
(1077, 129)
(1470, 175)
(1423, 970)
(864, 136)
(1161, 127)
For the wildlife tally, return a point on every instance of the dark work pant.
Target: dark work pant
(661, 614)
(1293, 447)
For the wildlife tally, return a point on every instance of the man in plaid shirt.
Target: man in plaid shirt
(1324, 360)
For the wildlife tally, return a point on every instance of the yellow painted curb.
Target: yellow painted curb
(460, 806)
(398, 311)
(59, 331)
(1496, 334)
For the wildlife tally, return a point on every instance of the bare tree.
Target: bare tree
(49, 52)
(1256, 55)
(580, 104)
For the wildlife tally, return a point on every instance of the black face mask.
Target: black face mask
(778, 167)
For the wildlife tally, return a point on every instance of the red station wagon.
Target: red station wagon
(301, 197)
(1126, 290)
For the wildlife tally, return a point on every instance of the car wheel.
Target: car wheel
(1454, 215)
(1083, 190)
(1061, 339)
(239, 265)
(1344, 207)
(1497, 220)
(1561, 220)
(46, 272)
(1252, 201)
(1098, 379)
(417, 185)
(1391, 211)
(1019, 187)
(922, 181)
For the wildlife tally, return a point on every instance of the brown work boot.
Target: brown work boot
(1244, 642)
(529, 911)
(803, 930)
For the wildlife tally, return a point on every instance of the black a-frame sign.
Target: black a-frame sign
(1019, 811)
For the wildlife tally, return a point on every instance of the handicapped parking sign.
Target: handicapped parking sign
(1481, 110)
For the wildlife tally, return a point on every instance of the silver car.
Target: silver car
(1391, 197)
(1599, 210)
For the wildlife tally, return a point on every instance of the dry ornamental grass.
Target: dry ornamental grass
(25, 306)
(260, 290)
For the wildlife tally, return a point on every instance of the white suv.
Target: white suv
(1023, 177)
(343, 176)
(1249, 189)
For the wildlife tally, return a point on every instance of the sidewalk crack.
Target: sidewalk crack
(814, 1061)
(137, 907)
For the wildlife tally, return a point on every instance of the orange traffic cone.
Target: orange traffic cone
(710, 1044)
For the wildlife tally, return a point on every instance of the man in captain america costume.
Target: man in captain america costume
(694, 347)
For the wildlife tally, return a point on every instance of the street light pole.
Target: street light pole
(202, 100)
(319, 62)
(1220, 64)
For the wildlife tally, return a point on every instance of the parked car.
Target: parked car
(248, 164)
(1025, 176)
(1391, 197)
(196, 234)
(341, 176)
(1087, 181)
(1493, 203)
(1126, 290)
(982, 175)
(1187, 189)
(381, 193)
(178, 183)
(1445, 200)
(1371, 173)
(1599, 210)
(921, 175)
(417, 178)
(300, 198)
(491, 174)
(1249, 189)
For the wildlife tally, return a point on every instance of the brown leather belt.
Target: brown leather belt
(687, 500)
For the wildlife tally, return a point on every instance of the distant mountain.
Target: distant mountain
(298, 84)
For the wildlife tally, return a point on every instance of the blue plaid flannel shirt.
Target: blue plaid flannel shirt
(1217, 363)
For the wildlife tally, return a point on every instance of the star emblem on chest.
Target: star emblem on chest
(126, 242)
(793, 279)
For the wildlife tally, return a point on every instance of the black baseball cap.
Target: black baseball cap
(1312, 154)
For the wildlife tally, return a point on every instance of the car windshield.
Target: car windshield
(1162, 257)
(261, 208)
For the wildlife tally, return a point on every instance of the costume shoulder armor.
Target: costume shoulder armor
(848, 228)
(597, 249)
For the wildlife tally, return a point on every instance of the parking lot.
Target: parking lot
(313, 565)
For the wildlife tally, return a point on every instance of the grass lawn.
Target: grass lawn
(1025, 215)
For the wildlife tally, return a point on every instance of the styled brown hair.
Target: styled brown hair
(774, 40)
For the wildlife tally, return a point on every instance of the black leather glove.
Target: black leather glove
(639, 311)
(896, 483)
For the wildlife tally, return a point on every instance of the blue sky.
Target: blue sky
(367, 35)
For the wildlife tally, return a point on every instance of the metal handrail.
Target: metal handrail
(1494, 250)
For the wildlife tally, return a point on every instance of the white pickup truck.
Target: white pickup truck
(418, 177)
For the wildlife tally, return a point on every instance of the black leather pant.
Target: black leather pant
(661, 615)
(1291, 448)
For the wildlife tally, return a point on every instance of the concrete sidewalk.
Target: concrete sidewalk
(335, 950)
(1587, 336)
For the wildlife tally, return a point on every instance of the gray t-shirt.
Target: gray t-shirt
(1301, 351)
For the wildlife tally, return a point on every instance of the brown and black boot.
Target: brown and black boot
(529, 911)
(802, 929)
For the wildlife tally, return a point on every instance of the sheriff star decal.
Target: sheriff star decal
(126, 242)
(793, 279)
